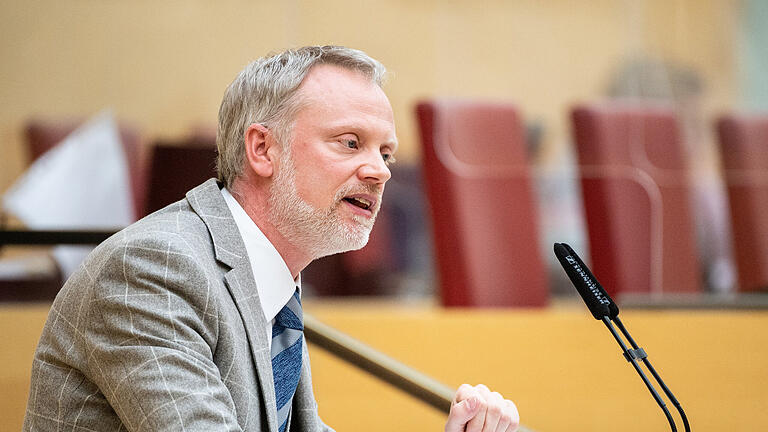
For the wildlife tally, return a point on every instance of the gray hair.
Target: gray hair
(265, 92)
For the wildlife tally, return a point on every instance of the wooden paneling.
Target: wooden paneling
(559, 365)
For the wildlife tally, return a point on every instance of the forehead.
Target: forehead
(332, 95)
(336, 81)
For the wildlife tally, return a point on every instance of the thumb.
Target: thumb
(461, 413)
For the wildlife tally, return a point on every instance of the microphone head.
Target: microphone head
(598, 301)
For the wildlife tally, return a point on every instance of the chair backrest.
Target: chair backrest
(744, 149)
(176, 167)
(484, 217)
(636, 193)
(42, 134)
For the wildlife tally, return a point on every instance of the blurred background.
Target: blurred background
(566, 80)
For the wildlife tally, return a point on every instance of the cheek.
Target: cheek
(319, 178)
(316, 189)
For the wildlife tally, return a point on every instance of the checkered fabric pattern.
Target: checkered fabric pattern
(161, 329)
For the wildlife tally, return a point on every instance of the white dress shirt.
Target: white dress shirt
(274, 282)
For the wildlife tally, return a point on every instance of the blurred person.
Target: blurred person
(191, 318)
(645, 78)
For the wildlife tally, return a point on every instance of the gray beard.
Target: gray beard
(320, 232)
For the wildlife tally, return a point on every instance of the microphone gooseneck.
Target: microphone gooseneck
(604, 309)
(655, 374)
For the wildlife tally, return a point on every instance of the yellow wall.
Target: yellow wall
(559, 365)
(163, 66)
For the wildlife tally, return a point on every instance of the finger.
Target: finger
(509, 419)
(465, 391)
(476, 423)
(513, 415)
(504, 423)
(483, 390)
(495, 408)
(461, 413)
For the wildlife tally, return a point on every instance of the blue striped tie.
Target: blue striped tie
(287, 334)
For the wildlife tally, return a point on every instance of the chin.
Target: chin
(359, 244)
(343, 242)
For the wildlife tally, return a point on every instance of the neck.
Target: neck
(254, 199)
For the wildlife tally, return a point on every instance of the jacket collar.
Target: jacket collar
(208, 202)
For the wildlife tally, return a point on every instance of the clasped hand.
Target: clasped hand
(477, 409)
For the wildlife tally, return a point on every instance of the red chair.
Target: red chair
(744, 148)
(636, 193)
(484, 217)
(175, 167)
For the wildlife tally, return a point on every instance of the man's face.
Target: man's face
(329, 179)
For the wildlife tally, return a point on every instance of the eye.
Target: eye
(350, 143)
(388, 158)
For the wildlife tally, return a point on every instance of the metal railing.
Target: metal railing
(340, 345)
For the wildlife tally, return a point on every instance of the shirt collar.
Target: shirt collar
(274, 282)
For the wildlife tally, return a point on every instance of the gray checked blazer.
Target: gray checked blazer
(161, 329)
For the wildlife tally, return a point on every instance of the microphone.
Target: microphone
(604, 309)
(597, 300)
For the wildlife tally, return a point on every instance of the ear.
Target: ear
(258, 142)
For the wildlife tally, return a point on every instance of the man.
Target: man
(191, 318)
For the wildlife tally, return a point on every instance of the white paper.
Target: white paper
(82, 183)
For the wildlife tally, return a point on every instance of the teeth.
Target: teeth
(360, 202)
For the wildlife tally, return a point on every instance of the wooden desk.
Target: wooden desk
(559, 365)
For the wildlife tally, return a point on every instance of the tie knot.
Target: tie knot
(290, 316)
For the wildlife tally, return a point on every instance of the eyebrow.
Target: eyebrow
(394, 145)
(357, 128)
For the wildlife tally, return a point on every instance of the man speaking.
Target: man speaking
(191, 318)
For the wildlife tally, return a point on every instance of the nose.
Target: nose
(374, 169)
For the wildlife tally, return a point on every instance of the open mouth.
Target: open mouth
(359, 202)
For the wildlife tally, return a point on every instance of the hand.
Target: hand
(477, 409)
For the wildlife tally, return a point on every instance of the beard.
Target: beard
(319, 231)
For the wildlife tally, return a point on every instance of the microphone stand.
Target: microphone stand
(633, 355)
(604, 309)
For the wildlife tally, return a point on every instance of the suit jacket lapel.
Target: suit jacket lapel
(209, 204)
